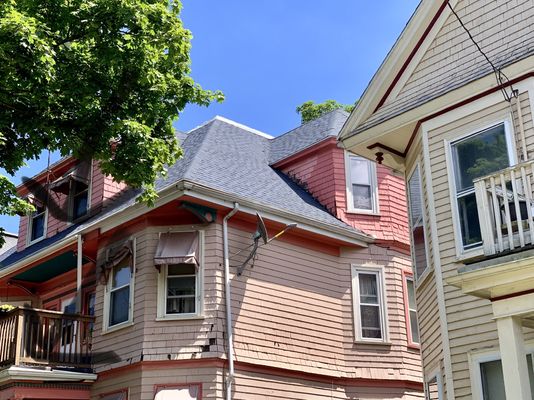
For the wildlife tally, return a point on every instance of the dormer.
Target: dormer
(67, 193)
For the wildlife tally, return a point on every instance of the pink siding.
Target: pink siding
(322, 173)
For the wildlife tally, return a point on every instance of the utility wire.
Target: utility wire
(502, 79)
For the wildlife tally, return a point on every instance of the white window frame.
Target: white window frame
(29, 240)
(510, 144)
(409, 277)
(106, 328)
(162, 284)
(73, 220)
(477, 358)
(382, 300)
(436, 374)
(417, 167)
(374, 187)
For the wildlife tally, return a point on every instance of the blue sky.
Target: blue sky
(270, 56)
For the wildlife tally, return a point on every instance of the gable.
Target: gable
(502, 29)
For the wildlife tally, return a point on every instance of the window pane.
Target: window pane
(181, 305)
(38, 226)
(413, 326)
(411, 294)
(492, 380)
(415, 202)
(359, 171)
(467, 208)
(79, 205)
(119, 306)
(479, 155)
(368, 288)
(182, 269)
(370, 319)
(361, 195)
(181, 286)
(121, 275)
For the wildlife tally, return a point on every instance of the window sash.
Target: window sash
(411, 314)
(363, 304)
(418, 246)
(361, 184)
(182, 296)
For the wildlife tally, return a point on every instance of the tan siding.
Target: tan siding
(470, 323)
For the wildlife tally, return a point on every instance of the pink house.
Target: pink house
(187, 300)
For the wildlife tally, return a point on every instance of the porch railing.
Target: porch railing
(47, 338)
(505, 208)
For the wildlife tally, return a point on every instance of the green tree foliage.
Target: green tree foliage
(99, 79)
(309, 110)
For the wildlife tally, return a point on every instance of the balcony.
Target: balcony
(505, 209)
(32, 337)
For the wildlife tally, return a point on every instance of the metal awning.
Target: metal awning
(49, 269)
(177, 248)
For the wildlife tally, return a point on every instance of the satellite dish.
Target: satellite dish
(261, 230)
(260, 234)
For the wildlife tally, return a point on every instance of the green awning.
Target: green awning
(50, 269)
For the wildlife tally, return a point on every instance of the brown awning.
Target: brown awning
(79, 173)
(177, 248)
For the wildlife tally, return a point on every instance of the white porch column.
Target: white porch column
(514, 360)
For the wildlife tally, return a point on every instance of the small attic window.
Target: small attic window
(362, 196)
(80, 199)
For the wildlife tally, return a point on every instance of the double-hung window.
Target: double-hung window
(477, 155)
(411, 311)
(80, 199)
(37, 223)
(417, 222)
(179, 262)
(361, 185)
(118, 300)
(369, 304)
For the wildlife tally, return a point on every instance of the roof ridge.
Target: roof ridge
(313, 120)
(234, 123)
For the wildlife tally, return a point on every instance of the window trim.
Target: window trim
(125, 391)
(161, 314)
(462, 253)
(106, 328)
(382, 297)
(374, 187)
(72, 182)
(405, 277)
(158, 387)
(435, 374)
(29, 240)
(415, 167)
(475, 358)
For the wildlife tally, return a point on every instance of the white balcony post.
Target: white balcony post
(514, 359)
(484, 217)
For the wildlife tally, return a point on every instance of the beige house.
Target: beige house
(452, 107)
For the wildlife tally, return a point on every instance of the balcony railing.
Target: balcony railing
(505, 208)
(46, 338)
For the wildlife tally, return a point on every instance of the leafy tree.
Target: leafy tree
(94, 78)
(310, 111)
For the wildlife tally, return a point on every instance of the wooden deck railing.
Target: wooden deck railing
(48, 338)
(505, 208)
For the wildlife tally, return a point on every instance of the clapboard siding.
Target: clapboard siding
(469, 319)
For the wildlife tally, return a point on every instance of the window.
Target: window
(411, 312)
(37, 223)
(474, 156)
(369, 304)
(433, 388)
(80, 199)
(179, 260)
(417, 223)
(178, 392)
(120, 273)
(361, 185)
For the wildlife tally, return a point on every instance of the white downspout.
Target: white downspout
(227, 290)
(79, 265)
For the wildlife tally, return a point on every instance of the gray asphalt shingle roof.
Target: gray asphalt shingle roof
(226, 157)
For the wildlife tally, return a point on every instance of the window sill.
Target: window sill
(424, 277)
(470, 254)
(373, 343)
(32, 242)
(180, 318)
(363, 212)
(414, 346)
(118, 327)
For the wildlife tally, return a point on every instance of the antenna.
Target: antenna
(260, 233)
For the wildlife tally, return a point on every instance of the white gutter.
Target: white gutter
(227, 289)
